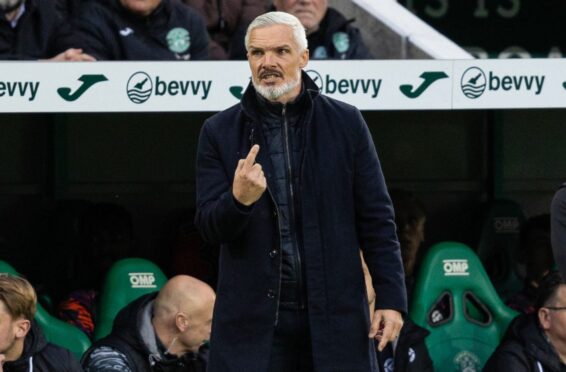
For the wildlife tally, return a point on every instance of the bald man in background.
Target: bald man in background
(160, 331)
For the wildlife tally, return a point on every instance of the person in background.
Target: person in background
(105, 234)
(161, 331)
(23, 347)
(536, 342)
(409, 353)
(330, 35)
(139, 30)
(410, 219)
(227, 21)
(537, 250)
(33, 30)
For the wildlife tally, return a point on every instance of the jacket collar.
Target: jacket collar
(33, 344)
(526, 328)
(251, 101)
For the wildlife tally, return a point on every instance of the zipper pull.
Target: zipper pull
(251, 137)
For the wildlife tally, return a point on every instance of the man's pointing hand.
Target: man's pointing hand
(249, 180)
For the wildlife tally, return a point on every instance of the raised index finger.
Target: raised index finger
(250, 159)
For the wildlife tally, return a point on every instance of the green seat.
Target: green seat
(454, 299)
(56, 331)
(126, 280)
(499, 244)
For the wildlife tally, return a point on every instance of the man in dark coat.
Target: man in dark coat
(291, 292)
(330, 35)
(164, 331)
(536, 342)
(138, 30)
(23, 347)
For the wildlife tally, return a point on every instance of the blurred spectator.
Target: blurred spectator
(184, 252)
(160, 331)
(32, 29)
(409, 353)
(536, 342)
(330, 35)
(141, 30)
(536, 248)
(22, 344)
(227, 21)
(558, 229)
(410, 218)
(105, 236)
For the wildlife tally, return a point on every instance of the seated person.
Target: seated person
(536, 248)
(409, 353)
(536, 342)
(227, 21)
(105, 235)
(138, 30)
(22, 344)
(329, 34)
(410, 219)
(160, 331)
(32, 29)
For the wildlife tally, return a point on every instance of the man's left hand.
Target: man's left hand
(385, 326)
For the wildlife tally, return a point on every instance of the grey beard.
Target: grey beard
(273, 93)
(9, 5)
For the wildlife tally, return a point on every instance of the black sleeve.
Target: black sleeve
(508, 356)
(199, 42)
(90, 26)
(358, 49)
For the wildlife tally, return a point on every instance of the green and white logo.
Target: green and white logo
(139, 87)
(315, 76)
(237, 91)
(87, 82)
(178, 40)
(428, 77)
(473, 82)
(329, 85)
(341, 41)
(466, 361)
(320, 53)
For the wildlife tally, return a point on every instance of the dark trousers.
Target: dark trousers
(291, 350)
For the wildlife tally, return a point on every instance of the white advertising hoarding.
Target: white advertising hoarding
(215, 86)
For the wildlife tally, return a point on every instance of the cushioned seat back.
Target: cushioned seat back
(56, 331)
(126, 280)
(499, 245)
(454, 299)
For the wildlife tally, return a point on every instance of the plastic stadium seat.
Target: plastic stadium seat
(499, 245)
(56, 331)
(454, 299)
(126, 280)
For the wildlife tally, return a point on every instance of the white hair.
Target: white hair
(279, 18)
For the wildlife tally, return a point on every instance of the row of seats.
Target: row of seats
(453, 299)
(127, 280)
